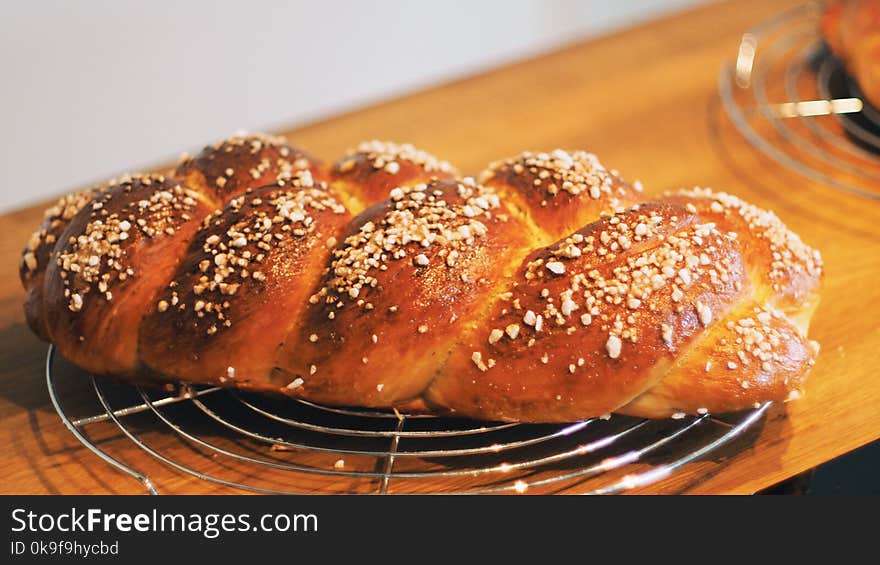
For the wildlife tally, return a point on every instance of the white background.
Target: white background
(93, 89)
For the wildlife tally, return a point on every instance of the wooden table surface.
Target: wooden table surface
(645, 101)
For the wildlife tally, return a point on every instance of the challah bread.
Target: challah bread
(406, 278)
(368, 173)
(550, 291)
(35, 257)
(112, 257)
(232, 166)
(758, 350)
(852, 30)
(243, 282)
(559, 192)
(594, 319)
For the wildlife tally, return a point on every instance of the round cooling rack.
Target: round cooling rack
(284, 446)
(792, 99)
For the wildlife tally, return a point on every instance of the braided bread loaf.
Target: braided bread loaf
(387, 281)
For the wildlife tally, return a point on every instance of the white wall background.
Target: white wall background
(91, 89)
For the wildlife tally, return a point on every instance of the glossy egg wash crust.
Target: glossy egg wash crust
(549, 290)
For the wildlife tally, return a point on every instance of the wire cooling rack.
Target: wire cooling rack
(792, 99)
(284, 446)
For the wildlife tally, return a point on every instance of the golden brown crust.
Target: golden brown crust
(110, 261)
(544, 295)
(560, 191)
(242, 285)
(751, 356)
(595, 319)
(401, 285)
(369, 172)
(37, 253)
(243, 161)
(785, 272)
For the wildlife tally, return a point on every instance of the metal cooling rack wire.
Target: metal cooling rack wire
(790, 39)
(74, 427)
(438, 432)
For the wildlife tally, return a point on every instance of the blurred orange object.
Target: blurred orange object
(852, 30)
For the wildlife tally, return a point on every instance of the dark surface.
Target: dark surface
(855, 473)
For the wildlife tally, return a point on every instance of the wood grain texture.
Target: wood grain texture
(645, 101)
